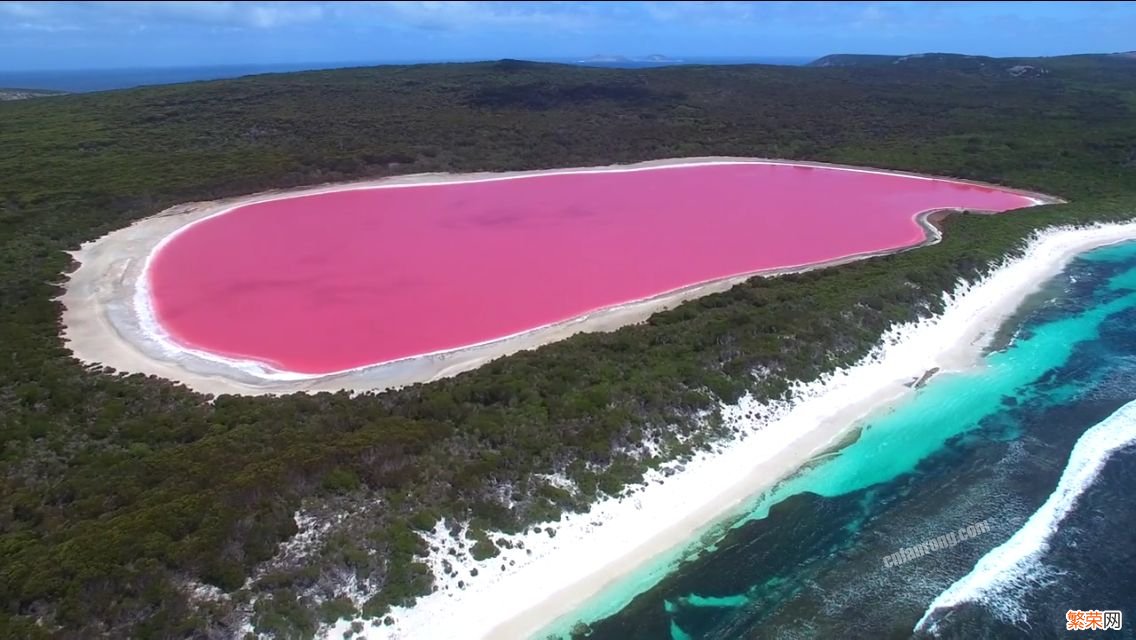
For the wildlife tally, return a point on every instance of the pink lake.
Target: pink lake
(323, 283)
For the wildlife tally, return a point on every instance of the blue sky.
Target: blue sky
(77, 35)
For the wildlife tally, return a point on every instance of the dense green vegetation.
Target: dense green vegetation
(119, 491)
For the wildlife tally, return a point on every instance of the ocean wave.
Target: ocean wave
(1003, 573)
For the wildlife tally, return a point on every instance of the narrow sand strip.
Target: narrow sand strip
(108, 318)
(543, 579)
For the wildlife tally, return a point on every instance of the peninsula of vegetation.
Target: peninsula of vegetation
(137, 507)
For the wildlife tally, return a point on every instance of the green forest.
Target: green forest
(120, 493)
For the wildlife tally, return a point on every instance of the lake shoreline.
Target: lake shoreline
(109, 319)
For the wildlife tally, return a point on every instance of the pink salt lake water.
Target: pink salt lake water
(328, 282)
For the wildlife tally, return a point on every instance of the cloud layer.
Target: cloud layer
(102, 33)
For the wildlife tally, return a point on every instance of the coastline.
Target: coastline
(543, 579)
(108, 321)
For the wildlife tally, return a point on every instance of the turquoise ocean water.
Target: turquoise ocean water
(806, 558)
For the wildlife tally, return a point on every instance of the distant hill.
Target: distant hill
(1023, 67)
(852, 60)
(1020, 67)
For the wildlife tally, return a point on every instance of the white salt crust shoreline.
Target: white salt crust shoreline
(542, 581)
(108, 319)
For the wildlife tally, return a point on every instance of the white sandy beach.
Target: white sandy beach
(542, 579)
(108, 319)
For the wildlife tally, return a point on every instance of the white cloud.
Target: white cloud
(483, 15)
(22, 9)
(241, 14)
(45, 28)
(795, 14)
(427, 15)
(96, 15)
(705, 12)
(467, 15)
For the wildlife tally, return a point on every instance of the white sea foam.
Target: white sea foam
(545, 576)
(1000, 576)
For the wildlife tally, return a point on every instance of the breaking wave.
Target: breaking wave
(1003, 573)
